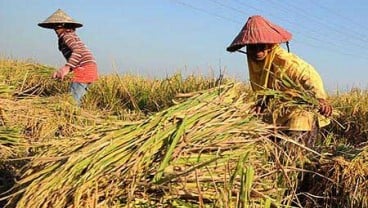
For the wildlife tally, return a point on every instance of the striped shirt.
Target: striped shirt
(78, 56)
(74, 50)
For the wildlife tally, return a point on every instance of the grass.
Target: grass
(179, 141)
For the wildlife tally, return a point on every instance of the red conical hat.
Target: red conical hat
(259, 30)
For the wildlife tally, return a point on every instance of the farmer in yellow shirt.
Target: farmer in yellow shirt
(269, 64)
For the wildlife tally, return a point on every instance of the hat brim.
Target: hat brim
(258, 30)
(234, 48)
(54, 25)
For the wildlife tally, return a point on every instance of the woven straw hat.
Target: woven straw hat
(259, 30)
(57, 18)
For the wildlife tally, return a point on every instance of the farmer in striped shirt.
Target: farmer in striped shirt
(270, 66)
(79, 58)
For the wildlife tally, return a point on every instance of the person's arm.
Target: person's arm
(308, 77)
(61, 73)
(71, 40)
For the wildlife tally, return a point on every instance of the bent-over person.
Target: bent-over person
(269, 63)
(80, 59)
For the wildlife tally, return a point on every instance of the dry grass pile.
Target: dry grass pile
(29, 78)
(346, 144)
(43, 119)
(339, 177)
(9, 139)
(8, 136)
(345, 183)
(207, 150)
(118, 94)
(134, 93)
(351, 126)
(11, 143)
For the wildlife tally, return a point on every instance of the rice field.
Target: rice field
(173, 142)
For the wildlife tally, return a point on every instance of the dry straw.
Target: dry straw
(207, 150)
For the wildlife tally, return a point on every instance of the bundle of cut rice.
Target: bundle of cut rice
(209, 149)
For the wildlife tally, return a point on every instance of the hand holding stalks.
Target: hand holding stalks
(324, 108)
(61, 73)
(260, 105)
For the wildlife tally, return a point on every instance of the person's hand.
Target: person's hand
(61, 73)
(55, 75)
(325, 108)
(257, 109)
(259, 106)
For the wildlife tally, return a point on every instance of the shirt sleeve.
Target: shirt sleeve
(71, 40)
(305, 75)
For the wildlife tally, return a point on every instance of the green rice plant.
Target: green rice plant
(288, 94)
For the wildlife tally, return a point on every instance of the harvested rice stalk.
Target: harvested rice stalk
(9, 140)
(349, 185)
(30, 78)
(118, 165)
(207, 150)
(43, 119)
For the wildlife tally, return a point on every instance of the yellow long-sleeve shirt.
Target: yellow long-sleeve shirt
(278, 65)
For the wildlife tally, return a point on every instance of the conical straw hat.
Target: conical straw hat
(57, 18)
(259, 30)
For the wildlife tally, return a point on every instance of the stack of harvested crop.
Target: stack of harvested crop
(208, 149)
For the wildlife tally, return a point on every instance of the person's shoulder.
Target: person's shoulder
(281, 56)
(70, 33)
(287, 56)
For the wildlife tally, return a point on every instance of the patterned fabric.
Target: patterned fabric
(78, 56)
(278, 65)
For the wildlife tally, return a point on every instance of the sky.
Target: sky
(158, 38)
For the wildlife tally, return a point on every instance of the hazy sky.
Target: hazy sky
(160, 37)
